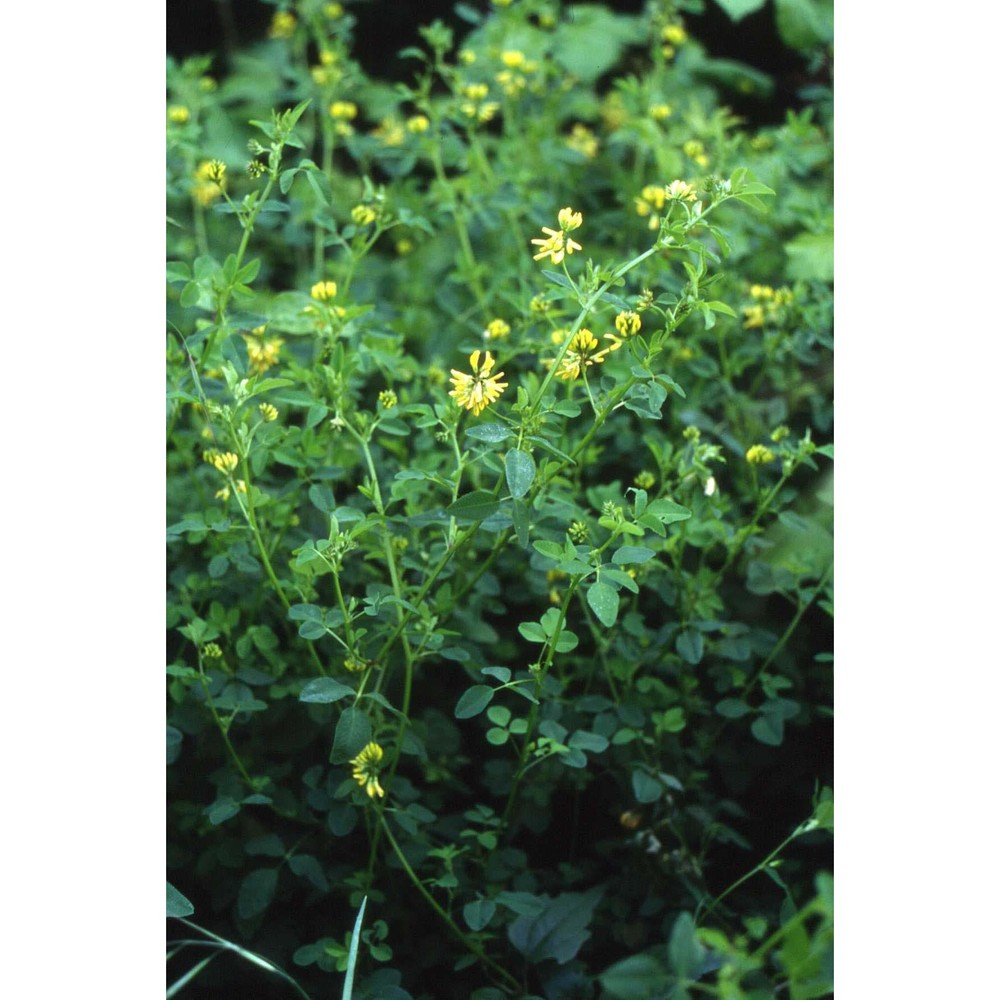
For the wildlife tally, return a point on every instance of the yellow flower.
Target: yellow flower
(628, 323)
(475, 91)
(681, 191)
(363, 215)
(582, 353)
(569, 220)
(555, 245)
(225, 462)
(344, 110)
(209, 177)
(333, 10)
(178, 114)
(365, 768)
(583, 141)
(323, 291)
(418, 124)
(390, 131)
(477, 391)
(759, 454)
(496, 329)
(263, 354)
(696, 150)
(269, 412)
(327, 57)
(282, 24)
(404, 246)
(512, 58)
(467, 56)
(753, 316)
(674, 33)
(388, 399)
(660, 111)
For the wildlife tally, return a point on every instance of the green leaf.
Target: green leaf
(632, 554)
(559, 931)
(732, 708)
(639, 977)
(473, 701)
(738, 9)
(804, 24)
(222, 809)
(810, 257)
(691, 645)
(768, 729)
(323, 690)
(603, 601)
(672, 720)
(592, 742)
(532, 631)
(479, 913)
(475, 506)
(178, 905)
(354, 730)
(256, 892)
(686, 954)
(519, 515)
(589, 29)
(645, 787)
(666, 512)
(490, 433)
(519, 468)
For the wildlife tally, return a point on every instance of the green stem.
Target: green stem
(222, 728)
(467, 942)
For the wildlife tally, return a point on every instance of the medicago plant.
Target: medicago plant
(500, 564)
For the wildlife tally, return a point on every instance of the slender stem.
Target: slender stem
(471, 945)
(222, 727)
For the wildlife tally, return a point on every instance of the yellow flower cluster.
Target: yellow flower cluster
(418, 124)
(475, 104)
(269, 412)
(390, 132)
(628, 323)
(767, 307)
(388, 399)
(496, 329)
(225, 462)
(344, 110)
(659, 112)
(178, 114)
(282, 24)
(263, 354)
(556, 244)
(583, 352)
(695, 149)
(477, 391)
(208, 179)
(653, 198)
(583, 141)
(363, 215)
(759, 454)
(365, 769)
(323, 291)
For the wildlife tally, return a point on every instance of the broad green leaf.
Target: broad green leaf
(639, 977)
(256, 892)
(519, 514)
(769, 729)
(603, 601)
(804, 24)
(691, 645)
(490, 433)
(354, 730)
(519, 468)
(473, 701)
(645, 787)
(738, 9)
(479, 913)
(732, 708)
(559, 931)
(628, 554)
(532, 631)
(810, 257)
(324, 690)
(686, 954)
(475, 506)
(178, 905)
(591, 742)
